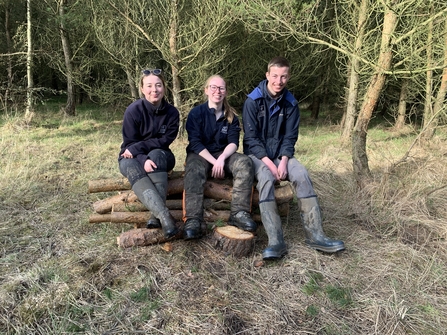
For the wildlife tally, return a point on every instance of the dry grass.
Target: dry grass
(59, 274)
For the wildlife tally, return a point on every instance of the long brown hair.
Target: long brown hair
(229, 111)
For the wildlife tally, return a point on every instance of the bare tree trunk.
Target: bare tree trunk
(70, 108)
(315, 106)
(351, 107)
(431, 124)
(133, 87)
(375, 86)
(9, 51)
(29, 113)
(173, 31)
(402, 109)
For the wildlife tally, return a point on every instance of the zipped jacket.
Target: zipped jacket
(270, 125)
(146, 127)
(205, 132)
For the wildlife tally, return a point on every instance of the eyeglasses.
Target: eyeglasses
(155, 72)
(214, 88)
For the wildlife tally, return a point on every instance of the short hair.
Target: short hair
(279, 62)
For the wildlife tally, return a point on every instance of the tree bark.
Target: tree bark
(213, 190)
(233, 241)
(137, 206)
(70, 107)
(175, 66)
(428, 107)
(351, 106)
(142, 236)
(375, 86)
(9, 51)
(402, 109)
(29, 113)
(105, 205)
(431, 126)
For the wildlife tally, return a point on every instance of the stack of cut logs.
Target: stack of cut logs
(124, 207)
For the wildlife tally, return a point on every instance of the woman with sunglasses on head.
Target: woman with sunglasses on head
(150, 125)
(213, 135)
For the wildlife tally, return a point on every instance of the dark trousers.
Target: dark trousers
(133, 171)
(197, 171)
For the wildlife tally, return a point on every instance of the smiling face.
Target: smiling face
(216, 91)
(153, 89)
(277, 79)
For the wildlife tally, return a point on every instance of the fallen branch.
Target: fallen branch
(143, 236)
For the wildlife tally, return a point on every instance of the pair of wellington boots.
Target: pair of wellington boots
(312, 225)
(150, 197)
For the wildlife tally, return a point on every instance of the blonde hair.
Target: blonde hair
(229, 111)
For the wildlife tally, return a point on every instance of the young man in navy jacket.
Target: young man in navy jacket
(271, 120)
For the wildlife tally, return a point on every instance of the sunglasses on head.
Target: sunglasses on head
(155, 72)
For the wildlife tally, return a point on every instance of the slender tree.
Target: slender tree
(354, 73)
(29, 113)
(377, 81)
(70, 107)
(439, 103)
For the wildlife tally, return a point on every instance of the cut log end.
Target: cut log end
(233, 241)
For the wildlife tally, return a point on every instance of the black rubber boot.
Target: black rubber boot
(243, 221)
(312, 223)
(193, 229)
(271, 220)
(160, 181)
(148, 195)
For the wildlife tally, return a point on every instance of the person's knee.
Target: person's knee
(132, 170)
(243, 167)
(265, 179)
(160, 158)
(195, 168)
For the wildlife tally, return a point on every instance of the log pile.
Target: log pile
(124, 207)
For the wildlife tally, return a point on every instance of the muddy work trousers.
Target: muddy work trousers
(297, 175)
(131, 168)
(197, 170)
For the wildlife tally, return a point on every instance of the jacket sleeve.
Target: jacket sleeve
(194, 127)
(234, 131)
(252, 130)
(287, 147)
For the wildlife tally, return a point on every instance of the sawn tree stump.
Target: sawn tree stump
(233, 241)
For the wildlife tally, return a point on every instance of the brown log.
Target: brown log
(139, 219)
(105, 205)
(233, 241)
(122, 184)
(143, 236)
(283, 194)
(142, 217)
(214, 188)
(137, 206)
(98, 218)
(107, 185)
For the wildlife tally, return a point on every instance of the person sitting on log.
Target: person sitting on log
(213, 134)
(271, 119)
(150, 125)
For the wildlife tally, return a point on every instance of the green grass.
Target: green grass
(61, 274)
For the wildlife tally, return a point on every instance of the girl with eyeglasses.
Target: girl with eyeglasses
(213, 134)
(150, 125)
